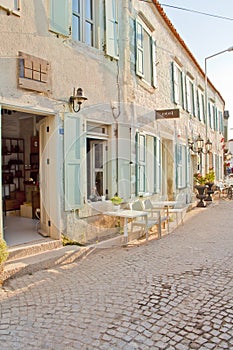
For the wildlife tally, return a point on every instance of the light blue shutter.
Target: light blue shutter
(175, 84)
(111, 12)
(139, 49)
(60, 11)
(157, 165)
(188, 166)
(124, 158)
(154, 64)
(1, 216)
(136, 163)
(74, 155)
(184, 102)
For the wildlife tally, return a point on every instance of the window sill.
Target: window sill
(145, 85)
(10, 11)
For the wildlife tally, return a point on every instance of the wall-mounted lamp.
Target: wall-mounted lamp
(77, 99)
(198, 145)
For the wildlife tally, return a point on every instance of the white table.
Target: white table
(160, 204)
(129, 214)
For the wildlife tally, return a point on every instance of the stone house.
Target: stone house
(145, 103)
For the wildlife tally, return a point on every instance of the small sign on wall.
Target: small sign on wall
(167, 114)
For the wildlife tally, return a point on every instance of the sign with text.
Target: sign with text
(167, 114)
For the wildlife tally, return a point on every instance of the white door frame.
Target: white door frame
(92, 163)
(47, 113)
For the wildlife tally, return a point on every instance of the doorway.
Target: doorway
(20, 176)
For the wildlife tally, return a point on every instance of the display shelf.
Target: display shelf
(13, 172)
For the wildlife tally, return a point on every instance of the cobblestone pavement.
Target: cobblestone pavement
(173, 293)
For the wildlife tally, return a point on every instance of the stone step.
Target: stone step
(44, 260)
(32, 248)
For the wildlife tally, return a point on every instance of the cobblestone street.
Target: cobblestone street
(173, 293)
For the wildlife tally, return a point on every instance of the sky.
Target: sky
(206, 36)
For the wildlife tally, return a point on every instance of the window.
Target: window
(82, 25)
(145, 54)
(34, 73)
(11, 5)
(83, 21)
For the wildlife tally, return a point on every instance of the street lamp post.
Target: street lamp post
(206, 93)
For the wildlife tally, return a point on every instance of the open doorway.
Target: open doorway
(20, 176)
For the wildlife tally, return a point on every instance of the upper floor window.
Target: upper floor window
(82, 14)
(11, 6)
(83, 21)
(145, 54)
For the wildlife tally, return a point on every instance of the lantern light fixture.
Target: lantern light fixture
(77, 99)
(198, 146)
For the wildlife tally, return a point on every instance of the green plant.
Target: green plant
(210, 176)
(68, 241)
(198, 178)
(116, 200)
(3, 251)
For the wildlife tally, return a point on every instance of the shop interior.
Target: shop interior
(20, 177)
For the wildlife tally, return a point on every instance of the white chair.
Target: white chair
(179, 208)
(153, 218)
(162, 212)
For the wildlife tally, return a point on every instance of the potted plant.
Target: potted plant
(200, 181)
(116, 201)
(210, 177)
(3, 257)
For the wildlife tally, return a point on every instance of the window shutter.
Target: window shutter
(184, 102)
(1, 216)
(124, 159)
(154, 69)
(175, 84)
(157, 165)
(13, 5)
(136, 164)
(74, 148)
(139, 49)
(198, 105)
(60, 16)
(194, 100)
(111, 17)
(189, 92)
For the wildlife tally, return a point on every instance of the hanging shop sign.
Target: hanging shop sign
(167, 114)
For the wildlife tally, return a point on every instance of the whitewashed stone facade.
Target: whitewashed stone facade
(114, 144)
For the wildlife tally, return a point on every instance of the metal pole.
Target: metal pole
(206, 94)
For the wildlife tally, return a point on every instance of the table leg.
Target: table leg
(146, 223)
(126, 230)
